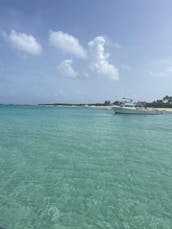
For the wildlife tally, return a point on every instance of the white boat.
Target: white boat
(128, 107)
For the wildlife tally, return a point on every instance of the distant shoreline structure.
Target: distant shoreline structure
(166, 102)
(100, 107)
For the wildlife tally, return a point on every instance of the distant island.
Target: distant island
(165, 102)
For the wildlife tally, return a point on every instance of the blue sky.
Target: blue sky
(84, 51)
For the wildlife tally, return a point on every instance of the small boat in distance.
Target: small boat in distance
(128, 107)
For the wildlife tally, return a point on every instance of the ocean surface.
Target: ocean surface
(84, 168)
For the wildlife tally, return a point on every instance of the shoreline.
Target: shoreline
(105, 107)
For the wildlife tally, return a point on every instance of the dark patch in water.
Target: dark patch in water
(2, 228)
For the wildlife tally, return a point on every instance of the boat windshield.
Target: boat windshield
(127, 102)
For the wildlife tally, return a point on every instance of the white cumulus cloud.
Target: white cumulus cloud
(99, 63)
(24, 42)
(67, 43)
(66, 69)
(112, 44)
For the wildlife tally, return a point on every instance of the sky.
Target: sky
(84, 51)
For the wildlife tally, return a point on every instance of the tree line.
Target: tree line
(165, 102)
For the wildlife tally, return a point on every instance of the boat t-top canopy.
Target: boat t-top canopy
(128, 99)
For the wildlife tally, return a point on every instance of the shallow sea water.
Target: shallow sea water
(83, 168)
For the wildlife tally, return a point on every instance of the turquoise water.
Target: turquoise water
(82, 168)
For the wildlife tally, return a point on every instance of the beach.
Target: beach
(168, 110)
(164, 109)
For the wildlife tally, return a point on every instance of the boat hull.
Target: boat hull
(121, 110)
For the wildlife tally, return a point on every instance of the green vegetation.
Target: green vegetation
(107, 103)
(166, 102)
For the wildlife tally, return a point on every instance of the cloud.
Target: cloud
(24, 42)
(111, 44)
(99, 59)
(66, 69)
(67, 43)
